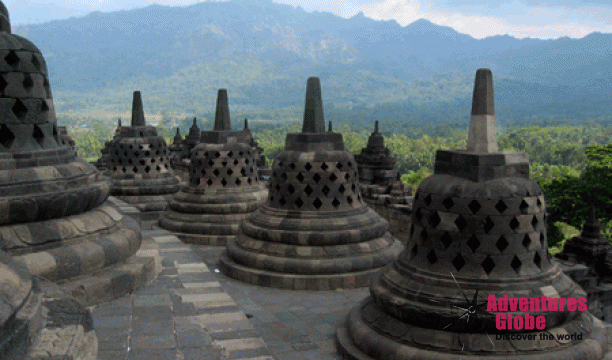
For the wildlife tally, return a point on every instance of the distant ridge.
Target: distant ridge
(263, 51)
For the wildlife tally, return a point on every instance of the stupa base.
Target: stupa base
(357, 340)
(350, 280)
(148, 203)
(199, 239)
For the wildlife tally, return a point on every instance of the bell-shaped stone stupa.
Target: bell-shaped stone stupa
(139, 164)
(223, 187)
(315, 232)
(478, 231)
(54, 217)
(102, 163)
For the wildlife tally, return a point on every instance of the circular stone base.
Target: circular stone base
(258, 277)
(356, 340)
(146, 203)
(199, 239)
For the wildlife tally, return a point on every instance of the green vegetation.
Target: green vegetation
(573, 164)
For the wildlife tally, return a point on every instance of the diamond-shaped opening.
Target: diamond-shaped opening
(347, 177)
(542, 239)
(523, 205)
(238, 182)
(333, 177)
(284, 176)
(473, 243)
(209, 182)
(158, 168)
(446, 240)
(19, 109)
(224, 163)
(282, 201)
(6, 136)
(538, 202)
(427, 200)
(316, 178)
(434, 219)
(147, 169)
(342, 189)
(432, 257)
(516, 264)
(526, 241)
(324, 166)
(537, 260)
(142, 162)
(325, 190)
(448, 203)
(514, 223)
(217, 154)
(300, 177)
(277, 187)
(130, 161)
(308, 190)
(230, 153)
(349, 200)
(35, 62)
(474, 206)
(216, 172)
(418, 214)
(488, 225)
(339, 166)
(424, 235)
(38, 135)
(502, 243)
(534, 221)
(135, 169)
(458, 262)
(414, 250)
(461, 223)
(3, 83)
(230, 172)
(336, 203)
(292, 166)
(250, 181)
(280, 164)
(236, 162)
(290, 189)
(317, 203)
(27, 82)
(240, 153)
(501, 206)
(307, 166)
(487, 265)
(211, 163)
(124, 169)
(12, 58)
(353, 187)
(299, 202)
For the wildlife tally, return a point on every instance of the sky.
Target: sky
(543, 19)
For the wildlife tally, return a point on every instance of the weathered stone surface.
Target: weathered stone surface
(139, 164)
(315, 232)
(469, 238)
(223, 186)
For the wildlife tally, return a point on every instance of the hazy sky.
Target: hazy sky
(543, 19)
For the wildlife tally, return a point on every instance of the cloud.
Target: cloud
(520, 21)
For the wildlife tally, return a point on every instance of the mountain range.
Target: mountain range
(263, 52)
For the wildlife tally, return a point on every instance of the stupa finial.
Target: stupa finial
(138, 118)
(5, 22)
(119, 122)
(482, 131)
(330, 128)
(376, 127)
(314, 122)
(222, 115)
(246, 123)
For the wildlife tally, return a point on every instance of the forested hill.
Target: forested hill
(263, 52)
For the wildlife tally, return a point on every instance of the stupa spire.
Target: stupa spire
(330, 128)
(376, 127)
(138, 118)
(482, 131)
(119, 122)
(222, 114)
(314, 122)
(246, 124)
(5, 22)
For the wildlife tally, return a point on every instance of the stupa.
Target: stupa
(314, 232)
(38, 320)
(176, 156)
(263, 169)
(223, 187)
(139, 164)
(478, 230)
(55, 218)
(65, 139)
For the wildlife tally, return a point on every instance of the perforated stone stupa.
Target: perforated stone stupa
(54, 217)
(102, 163)
(478, 230)
(139, 164)
(315, 232)
(223, 188)
(263, 169)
